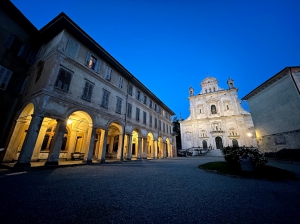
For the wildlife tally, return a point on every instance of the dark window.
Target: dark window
(144, 117)
(129, 110)
(155, 122)
(108, 73)
(119, 105)
(150, 104)
(88, 90)
(72, 49)
(213, 109)
(63, 80)
(105, 98)
(138, 95)
(120, 85)
(137, 114)
(130, 89)
(5, 76)
(145, 100)
(150, 120)
(159, 125)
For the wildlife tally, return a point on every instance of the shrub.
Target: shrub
(232, 155)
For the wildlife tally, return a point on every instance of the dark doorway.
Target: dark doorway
(235, 143)
(204, 143)
(133, 148)
(219, 143)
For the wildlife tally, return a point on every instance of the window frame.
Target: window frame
(137, 114)
(97, 65)
(5, 77)
(108, 71)
(105, 98)
(144, 117)
(58, 78)
(88, 90)
(118, 105)
(129, 110)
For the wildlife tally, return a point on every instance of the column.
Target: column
(105, 133)
(54, 150)
(120, 143)
(39, 142)
(72, 143)
(145, 147)
(129, 146)
(29, 142)
(154, 150)
(88, 158)
(139, 148)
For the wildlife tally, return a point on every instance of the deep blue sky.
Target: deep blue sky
(170, 45)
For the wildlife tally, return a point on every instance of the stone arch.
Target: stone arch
(219, 142)
(114, 141)
(136, 143)
(19, 133)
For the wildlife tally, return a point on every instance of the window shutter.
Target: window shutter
(97, 67)
(10, 38)
(72, 48)
(88, 57)
(5, 79)
(90, 91)
(23, 51)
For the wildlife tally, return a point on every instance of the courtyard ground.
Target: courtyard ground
(146, 191)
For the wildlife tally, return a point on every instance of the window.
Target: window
(129, 110)
(5, 76)
(150, 104)
(119, 105)
(120, 85)
(16, 46)
(108, 73)
(164, 129)
(150, 120)
(145, 100)
(155, 122)
(63, 80)
(72, 49)
(88, 90)
(167, 128)
(159, 110)
(159, 125)
(213, 109)
(130, 89)
(144, 117)
(138, 95)
(137, 114)
(92, 62)
(155, 107)
(31, 57)
(105, 98)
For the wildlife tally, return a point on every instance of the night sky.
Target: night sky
(171, 45)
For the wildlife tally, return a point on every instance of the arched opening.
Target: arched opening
(213, 109)
(219, 143)
(114, 141)
(19, 134)
(135, 145)
(159, 147)
(235, 143)
(204, 144)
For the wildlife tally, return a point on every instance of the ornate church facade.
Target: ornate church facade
(216, 118)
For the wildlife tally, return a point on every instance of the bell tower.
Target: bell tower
(230, 83)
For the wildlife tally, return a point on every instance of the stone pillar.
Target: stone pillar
(120, 146)
(12, 148)
(29, 142)
(39, 142)
(139, 156)
(145, 147)
(129, 146)
(54, 150)
(89, 156)
(154, 151)
(72, 143)
(104, 133)
(164, 154)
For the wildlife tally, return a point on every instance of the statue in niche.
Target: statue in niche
(213, 109)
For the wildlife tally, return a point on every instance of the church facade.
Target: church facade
(216, 118)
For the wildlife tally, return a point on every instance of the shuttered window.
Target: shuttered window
(120, 85)
(5, 76)
(119, 105)
(88, 90)
(108, 73)
(92, 62)
(129, 110)
(63, 80)
(105, 98)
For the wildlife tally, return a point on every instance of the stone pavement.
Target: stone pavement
(145, 191)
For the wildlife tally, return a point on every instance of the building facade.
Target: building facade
(216, 118)
(79, 99)
(275, 107)
(16, 56)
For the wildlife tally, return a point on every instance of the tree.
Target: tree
(176, 131)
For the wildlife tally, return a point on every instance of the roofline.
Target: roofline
(63, 22)
(269, 82)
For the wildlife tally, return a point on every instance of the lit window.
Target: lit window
(92, 62)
